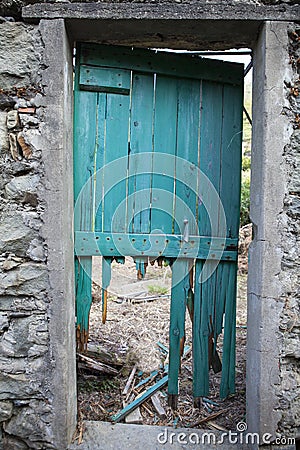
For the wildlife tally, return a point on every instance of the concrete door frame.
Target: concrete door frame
(271, 131)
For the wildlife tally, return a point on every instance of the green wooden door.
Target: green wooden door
(157, 157)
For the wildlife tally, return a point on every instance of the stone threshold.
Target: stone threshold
(106, 436)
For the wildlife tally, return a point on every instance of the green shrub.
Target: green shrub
(245, 199)
(246, 163)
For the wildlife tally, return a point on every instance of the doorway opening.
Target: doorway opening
(134, 341)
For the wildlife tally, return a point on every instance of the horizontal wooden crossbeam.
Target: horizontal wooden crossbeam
(154, 245)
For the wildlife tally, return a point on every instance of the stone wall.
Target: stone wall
(25, 397)
(289, 328)
(34, 410)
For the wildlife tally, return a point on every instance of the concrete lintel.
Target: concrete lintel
(164, 10)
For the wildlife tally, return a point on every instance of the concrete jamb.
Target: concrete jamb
(56, 139)
(271, 131)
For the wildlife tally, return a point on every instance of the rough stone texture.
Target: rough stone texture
(20, 66)
(6, 409)
(33, 413)
(289, 327)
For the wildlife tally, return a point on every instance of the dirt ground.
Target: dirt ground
(138, 319)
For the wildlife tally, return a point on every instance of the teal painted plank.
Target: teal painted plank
(165, 137)
(85, 149)
(141, 145)
(200, 338)
(83, 299)
(116, 148)
(138, 401)
(210, 156)
(179, 294)
(228, 361)
(99, 161)
(85, 131)
(188, 66)
(105, 80)
(118, 244)
(232, 157)
(222, 283)
(189, 103)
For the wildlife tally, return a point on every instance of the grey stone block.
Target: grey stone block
(4, 145)
(19, 186)
(6, 409)
(25, 337)
(15, 236)
(27, 279)
(31, 425)
(19, 64)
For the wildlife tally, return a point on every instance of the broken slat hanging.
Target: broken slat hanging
(85, 149)
(200, 340)
(106, 277)
(179, 293)
(228, 371)
(84, 296)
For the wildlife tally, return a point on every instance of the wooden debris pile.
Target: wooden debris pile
(144, 396)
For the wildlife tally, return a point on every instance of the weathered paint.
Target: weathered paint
(147, 106)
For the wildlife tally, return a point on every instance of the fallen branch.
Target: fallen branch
(208, 418)
(89, 363)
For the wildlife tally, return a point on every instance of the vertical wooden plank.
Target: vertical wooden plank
(189, 103)
(116, 146)
(83, 300)
(230, 196)
(85, 120)
(165, 137)
(179, 295)
(200, 338)
(228, 363)
(85, 130)
(232, 157)
(99, 162)
(141, 145)
(221, 285)
(210, 148)
(106, 277)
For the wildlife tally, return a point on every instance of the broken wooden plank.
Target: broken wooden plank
(129, 381)
(158, 406)
(152, 375)
(138, 401)
(96, 365)
(134, 417)
(103, 355)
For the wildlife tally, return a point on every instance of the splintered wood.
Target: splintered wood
(135, 337)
